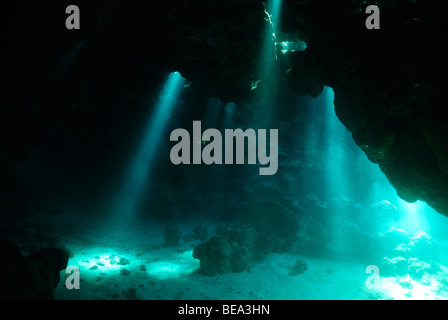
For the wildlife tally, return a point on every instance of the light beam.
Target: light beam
(139, 169)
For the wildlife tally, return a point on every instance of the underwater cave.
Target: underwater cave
(109, 189)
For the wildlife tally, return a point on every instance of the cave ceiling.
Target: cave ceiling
(390, 84)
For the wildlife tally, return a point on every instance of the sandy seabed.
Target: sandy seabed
(134, 265)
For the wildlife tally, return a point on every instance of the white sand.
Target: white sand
(172, 273)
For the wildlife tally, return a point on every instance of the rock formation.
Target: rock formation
(389, 84)
(266, 227)
(32, 277)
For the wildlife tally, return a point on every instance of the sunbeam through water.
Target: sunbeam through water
(139, 171)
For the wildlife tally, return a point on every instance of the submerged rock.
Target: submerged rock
(391, 267)
(397, 242)
(395, 237)
(123, 261)
(423, 246)
(416, 256)
(275, 224)
(125, 272)
(299, 267)
(392, 105)
(418, 269)
(392, 243)
(267, 226)
(30, 277)
(229, 251)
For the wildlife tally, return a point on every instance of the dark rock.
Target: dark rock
(70, 252)
(222, 47)
(275, 224)
(124, 272)
(123, 261)
(229, 251)
(267, 227)
(36, 232)
(305, 77)
(299, 267)
(389, 88)
(30, 277)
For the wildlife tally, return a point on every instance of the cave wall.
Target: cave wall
(389, 85)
